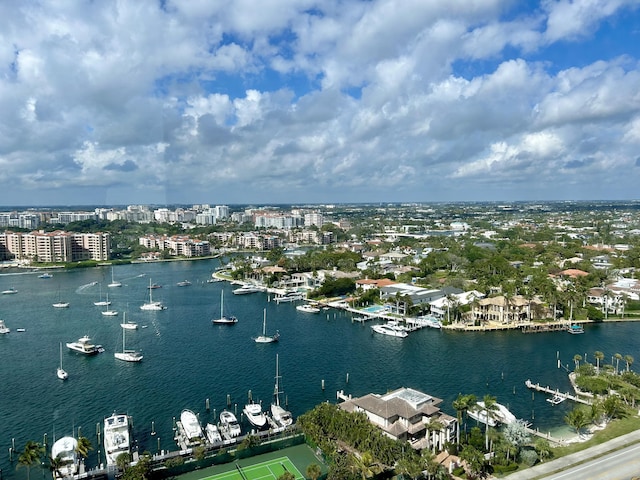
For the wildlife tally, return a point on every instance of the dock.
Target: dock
(544, 327)
(567, 396)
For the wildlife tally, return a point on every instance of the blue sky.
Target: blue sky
(303, 101)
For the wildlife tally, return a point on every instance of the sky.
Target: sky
(113, 102)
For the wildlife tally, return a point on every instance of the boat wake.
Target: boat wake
(82, 288)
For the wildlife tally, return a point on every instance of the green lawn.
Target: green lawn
(268, 470)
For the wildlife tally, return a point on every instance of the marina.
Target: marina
(331, 351)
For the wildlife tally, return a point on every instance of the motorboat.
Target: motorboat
(117, 436)
(308, 308)
(255, 415)
(191, 426)
(229, 426)
(151, 305)
(501, 414)
(153, 286)
(556, 399)
(4, 328)
(10, 291)
(223, 319)
(392, 329)
(61, 305)
(45, 275)
(282, 417)
(264, 338)
(83, 345)
(575, 329)
(114, 283)
(290, 296)
(247, 288)
(61, 373)
(65, 450)
(102, 303)
(127, 355)
(213, 434)
(430, 321)
(184, 283)
(129, 325)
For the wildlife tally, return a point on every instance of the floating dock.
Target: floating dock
(556, 393)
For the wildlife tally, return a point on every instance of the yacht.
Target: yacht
(430, 321)
(83, 345)
(308, 308)
(575, 329)
(61, 373)
(127, 355)
(151, 305)
(3, 327)
(61, 305)
(247, 288)
(65, 450)
(129, 325)
(223, 319)
(184, 283)
(114, 283)
(264, 338)
(191, 426)
(213, 434)
(393, 329)
(45, 275)
(229, 426)
(117, 436)
(255, 415)
(290, 296)
(500, 415)
(281, 416)
(9, 291)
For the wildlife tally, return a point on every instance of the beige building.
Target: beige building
(53, 247)
(503, 309)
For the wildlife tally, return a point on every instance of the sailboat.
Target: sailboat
(61, 372)
(264, 338)
(60, 303)
(127, 355)
(223, 320)
(113, 281)
(281, 416)
(107, 312)
(151, 305)
(102, 303)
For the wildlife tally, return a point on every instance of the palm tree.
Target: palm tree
(618, 357)
(490, 407)
(83, 448)
(55, 464)
(432, 427)
(599, 356)
(314, 471)
(577, 358)
(629, 361)
(30, 456)
(460, 406)
(287, 476)
(577, 419)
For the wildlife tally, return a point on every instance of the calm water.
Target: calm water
(188, 360)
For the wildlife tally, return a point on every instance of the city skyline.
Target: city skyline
(298, 101)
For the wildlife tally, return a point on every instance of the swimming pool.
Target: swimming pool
(375, 309)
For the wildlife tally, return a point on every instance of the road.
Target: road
(617, 459)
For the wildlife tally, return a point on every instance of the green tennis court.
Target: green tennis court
(268, 470)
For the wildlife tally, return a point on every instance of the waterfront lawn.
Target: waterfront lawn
(614, 429)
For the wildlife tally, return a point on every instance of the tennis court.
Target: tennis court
(268, 470)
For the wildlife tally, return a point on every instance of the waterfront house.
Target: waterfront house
(507, 310)
(404, 414)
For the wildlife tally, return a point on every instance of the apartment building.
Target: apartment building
(53, 247)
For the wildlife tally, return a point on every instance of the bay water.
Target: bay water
(188, 361)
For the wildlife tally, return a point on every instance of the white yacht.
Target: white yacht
(61, 305)
(500, 415)
(308, 308)
(229, 426)
(117, 436)
(45, 275)
(100, 302)
(191, 426)
(247, 288)
(9, 291)
(289, 296)
(127, 355)
(281, 416)
(129, 325)
(393, 329)
(264, 338)
(4, 328)
(184, 283)
(65, 450)
(255, 415)
(213, 434)
(83, 345)
(114, 283)
(61, 373)
(223, 319)
(151, 305)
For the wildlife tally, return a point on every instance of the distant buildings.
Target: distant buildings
(51, 247)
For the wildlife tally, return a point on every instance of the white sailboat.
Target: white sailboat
(61, 372)
(224, 320)
(281, 416)
(127, 355)
(114, 283)
(107, 312)
(264, 338)
(151, 305)
(102, 303)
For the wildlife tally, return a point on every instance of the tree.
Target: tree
(123, 460)
(314, 471)
(474, 463)
(599, 356)
(543, 449)
(30, 456)
(84, 447)
(55, 464)
(629, 361)
(462, 404)
(577, 358)
(287, 476)
(516, 434)
(490, 407)
(618, 357)
(577, 419)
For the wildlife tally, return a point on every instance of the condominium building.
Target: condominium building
(52, 247)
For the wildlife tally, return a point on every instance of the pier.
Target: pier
(567, 396)
(544, 327)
